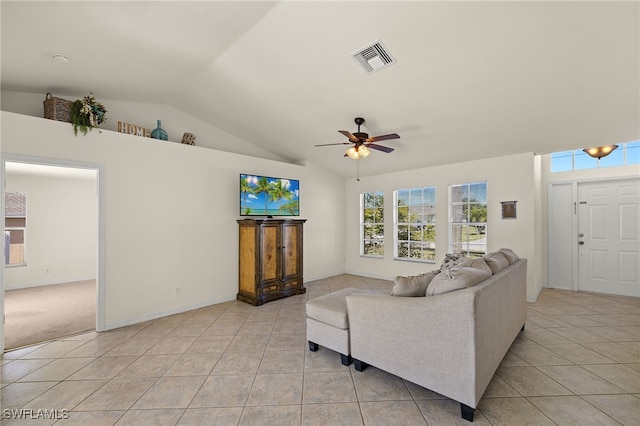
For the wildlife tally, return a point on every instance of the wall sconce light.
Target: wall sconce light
(600, 151)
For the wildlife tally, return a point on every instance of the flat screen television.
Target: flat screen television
(269, 196)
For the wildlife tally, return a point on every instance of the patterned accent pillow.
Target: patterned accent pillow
(451, 260)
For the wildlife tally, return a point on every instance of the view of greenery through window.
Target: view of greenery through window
(415, 219)
(626, 154)
(468, 222)
(372, 224)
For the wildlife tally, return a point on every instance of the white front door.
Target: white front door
(609, 237)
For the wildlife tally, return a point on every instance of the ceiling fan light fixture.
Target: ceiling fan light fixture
(358, 153)
(600, 151)
(353, 153)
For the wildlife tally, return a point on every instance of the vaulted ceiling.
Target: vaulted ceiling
(471, 79)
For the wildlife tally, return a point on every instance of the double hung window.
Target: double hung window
(468, 219)
(415, 224)
(372, 224)
(15, 226)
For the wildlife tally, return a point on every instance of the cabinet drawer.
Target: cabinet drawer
(292, 284)
(270, 289)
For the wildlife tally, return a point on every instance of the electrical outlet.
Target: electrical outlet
(46, 269)
(178, 290)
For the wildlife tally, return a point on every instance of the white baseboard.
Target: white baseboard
(168, 313)
(379, 277)
(43, 283)
(321, 277)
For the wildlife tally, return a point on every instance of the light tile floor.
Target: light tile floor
(576, 363)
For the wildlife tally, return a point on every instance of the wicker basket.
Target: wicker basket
(57, 109)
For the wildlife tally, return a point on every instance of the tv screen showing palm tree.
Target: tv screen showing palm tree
(269, 196)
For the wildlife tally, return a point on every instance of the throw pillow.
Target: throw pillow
(451, 260)
(509, 254)
(496, 261)
(476, 262)
(456, 278)
(412, 286)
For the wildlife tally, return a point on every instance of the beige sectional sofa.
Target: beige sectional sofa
(451, 343)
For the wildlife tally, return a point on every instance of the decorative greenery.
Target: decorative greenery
(87, 113)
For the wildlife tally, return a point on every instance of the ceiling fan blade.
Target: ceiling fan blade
(384, 137)
(339, 143)
(379, 147)
(349, 135)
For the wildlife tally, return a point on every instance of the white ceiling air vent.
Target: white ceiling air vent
(374, 57)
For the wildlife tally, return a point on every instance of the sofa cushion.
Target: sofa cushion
(476, 262)
(509, 255)
(456, 278)
(451, 260)
(496, 261)
(414, 285)
(332, 308)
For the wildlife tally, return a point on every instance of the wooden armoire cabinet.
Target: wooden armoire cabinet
(270, 259)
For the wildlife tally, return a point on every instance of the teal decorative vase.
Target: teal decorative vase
(159, 133)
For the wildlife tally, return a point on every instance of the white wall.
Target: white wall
(171, 212)
(508, 178)
(61, 237)
(174, 121)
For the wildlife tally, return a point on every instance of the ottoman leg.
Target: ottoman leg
(346, 359)
(313, 347)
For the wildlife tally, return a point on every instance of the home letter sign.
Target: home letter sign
(132, 129)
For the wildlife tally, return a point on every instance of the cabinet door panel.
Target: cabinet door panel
(248, 260)
(269, 253)
(290, 237)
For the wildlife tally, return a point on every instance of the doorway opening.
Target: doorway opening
(53, 287)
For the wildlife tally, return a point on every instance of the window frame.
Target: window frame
(424, 203)
(578, 158)
(14, 219)
(377, 238)
(466, 221)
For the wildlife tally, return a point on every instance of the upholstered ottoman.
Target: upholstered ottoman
(328, 323)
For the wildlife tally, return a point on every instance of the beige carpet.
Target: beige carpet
(40, 314)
